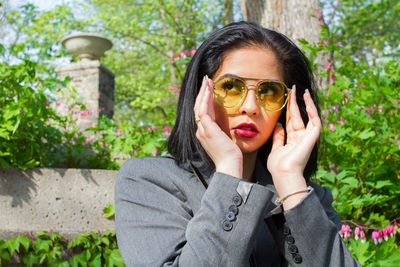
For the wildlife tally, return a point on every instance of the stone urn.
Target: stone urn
(86, 46)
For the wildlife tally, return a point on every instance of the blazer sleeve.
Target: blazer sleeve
(307, 234)
(156, 227)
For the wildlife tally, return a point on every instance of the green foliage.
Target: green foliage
(360, 139)
(384, 254)
(369, 30)
(147, 36)
(52, 250)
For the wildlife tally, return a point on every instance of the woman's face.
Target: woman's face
(252, 125)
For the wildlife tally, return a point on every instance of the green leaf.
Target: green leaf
(380, 184)
(13, 245)
(25, 242)
(351, 181)
(109, 211)
(367, 134)
(115, 258)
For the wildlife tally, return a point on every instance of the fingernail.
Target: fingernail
(294, 87)
(206, 77)
(278, 124)
(307, 92)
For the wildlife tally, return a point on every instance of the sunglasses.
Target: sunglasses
(230, 93)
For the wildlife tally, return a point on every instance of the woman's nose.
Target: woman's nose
(250, 104)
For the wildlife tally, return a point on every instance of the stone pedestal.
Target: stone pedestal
(95, 86)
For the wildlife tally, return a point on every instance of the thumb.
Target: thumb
(278, 137)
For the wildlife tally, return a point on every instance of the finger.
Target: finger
(204, 104)
(278, 137)
(295, 117)
(211, 112)
(312, 110)
(199, 98)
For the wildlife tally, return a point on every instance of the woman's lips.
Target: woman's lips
(247, 130)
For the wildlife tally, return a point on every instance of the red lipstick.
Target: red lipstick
(246, 130)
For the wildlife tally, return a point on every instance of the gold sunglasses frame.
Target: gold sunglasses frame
(286, 94)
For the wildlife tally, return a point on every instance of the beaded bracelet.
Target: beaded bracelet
(279, 201)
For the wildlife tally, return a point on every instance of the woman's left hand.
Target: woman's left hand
(286, 162)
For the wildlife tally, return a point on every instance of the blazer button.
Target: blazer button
(297, 258)
(230, 216)
(227, 225)
(234, 209)
(237, 200)
(289, 239)
(293, 248)
(286, 230)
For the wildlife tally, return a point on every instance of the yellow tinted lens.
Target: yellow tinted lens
(271, 95)
(229, 91)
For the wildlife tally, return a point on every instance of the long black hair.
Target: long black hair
(182, 143)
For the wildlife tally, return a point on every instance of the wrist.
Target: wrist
(232, 167)
(287, 184)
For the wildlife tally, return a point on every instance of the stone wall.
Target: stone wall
(66, 201)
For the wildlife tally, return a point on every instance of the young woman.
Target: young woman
(235, 189)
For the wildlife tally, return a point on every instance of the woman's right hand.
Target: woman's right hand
(225, 154)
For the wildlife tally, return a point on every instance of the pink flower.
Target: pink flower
(332, 127)
(172, 59)
(368, 109)
(86, 142)
(342, 230)
(391, 230)
(398, 143)
(186, 52)
(385, 234)
(47, 103)
(392, 111)
(374, 106)
(57, 103)
(356, 233)
(179, 90)
(325, 42)
(348, 230)
(83, 113)
(166, 129)
(380, 236)
(154, 152)
(341, 122)
(328, 68)
(101, 144)
(173, 88)
(320, 20)
(119, 132)
(381, 109)
(362, 235)
(97, 139)
(339, 43)
(375, 237)
(137, 133)
(333, 77)
(193, 52)
(362, 84)
(395, 223)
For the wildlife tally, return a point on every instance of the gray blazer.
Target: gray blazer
(167, 216)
